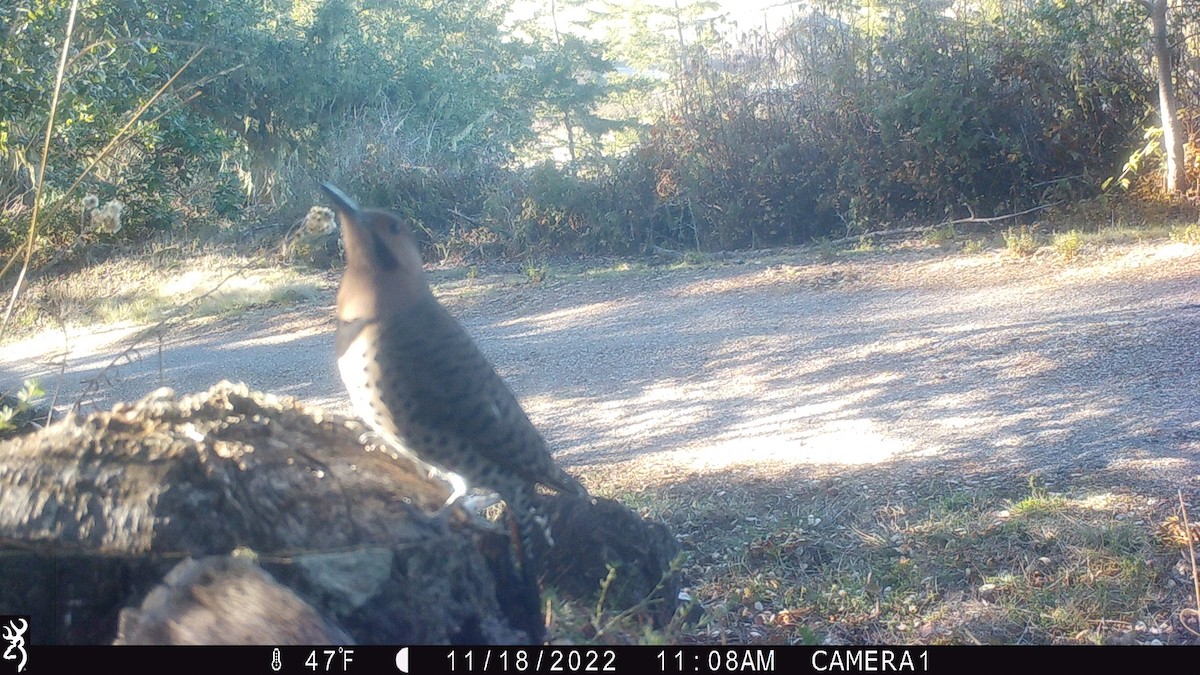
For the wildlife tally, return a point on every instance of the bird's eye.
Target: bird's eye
(394, 227)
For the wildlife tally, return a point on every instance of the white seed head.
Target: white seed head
(319, 221)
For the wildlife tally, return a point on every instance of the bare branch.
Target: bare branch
(994, 219)
(927, 228)
(465, 217)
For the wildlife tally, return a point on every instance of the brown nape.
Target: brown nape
(418, 379)
(384, 273)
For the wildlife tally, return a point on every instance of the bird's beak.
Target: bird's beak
(361, 240)
(345, 206)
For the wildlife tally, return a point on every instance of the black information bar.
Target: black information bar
(638, 660)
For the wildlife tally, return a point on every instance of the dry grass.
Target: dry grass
(142, 289)
(938, 562)
(1125, 234)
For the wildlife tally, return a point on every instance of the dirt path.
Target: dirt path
(973, 362)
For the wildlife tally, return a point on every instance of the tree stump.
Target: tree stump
(95, 512)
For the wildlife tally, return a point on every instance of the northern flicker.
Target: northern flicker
(418, 380)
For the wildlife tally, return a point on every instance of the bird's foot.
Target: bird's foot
(458, 484)
(544, 523)
(471, 508)
(478, 503)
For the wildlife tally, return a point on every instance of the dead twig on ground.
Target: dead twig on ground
(928, 228)
(1191, 542)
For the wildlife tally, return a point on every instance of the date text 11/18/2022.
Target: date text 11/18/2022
(680, 660)
(618, 660)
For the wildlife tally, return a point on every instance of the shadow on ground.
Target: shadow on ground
(654, 376)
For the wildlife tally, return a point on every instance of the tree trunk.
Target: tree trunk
(1174, 175)
(566, 113)
(570, 140)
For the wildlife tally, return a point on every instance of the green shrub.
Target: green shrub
(19, 413)
(974, 246)
(1068, 244)
(940, 236)
(1188, 234)
(1021, 241)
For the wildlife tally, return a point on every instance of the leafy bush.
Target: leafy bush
(1187, 234)
(1020, 241)
(922, 115)
(277, 86)
(1068, 243)
(974, 246)
(19, 413)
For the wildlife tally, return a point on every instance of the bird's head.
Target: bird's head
(383, 263)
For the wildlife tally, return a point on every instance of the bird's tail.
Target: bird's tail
(527, 528)
(568, 484)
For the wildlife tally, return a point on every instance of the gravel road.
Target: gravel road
(777, 363)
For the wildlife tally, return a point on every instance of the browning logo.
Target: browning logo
(12, 629)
